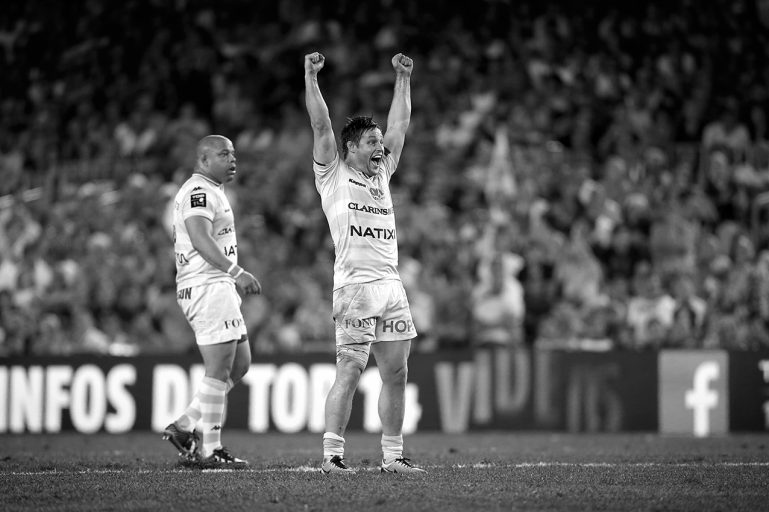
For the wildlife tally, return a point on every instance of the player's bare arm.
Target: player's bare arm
(200, 229)
(324, 143)
(400, 109)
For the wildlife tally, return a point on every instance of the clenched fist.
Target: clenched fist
(313, 62)
(402, 64)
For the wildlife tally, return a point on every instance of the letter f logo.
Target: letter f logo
(701, 398)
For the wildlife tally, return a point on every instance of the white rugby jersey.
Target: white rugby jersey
(359, 211)
(204, 197)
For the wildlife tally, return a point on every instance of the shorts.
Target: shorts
(213, 311)
(372, 312)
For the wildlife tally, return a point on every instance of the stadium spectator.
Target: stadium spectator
(672, 238)
(689, 314)
(650, 309)
(497, 302)
(727, 133)
(577, 271)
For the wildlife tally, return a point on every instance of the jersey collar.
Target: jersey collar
(212, 182)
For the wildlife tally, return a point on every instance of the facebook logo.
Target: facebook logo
(693, 396)
(701, 398)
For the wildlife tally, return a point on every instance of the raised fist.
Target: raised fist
(402, 64)
(313, 62)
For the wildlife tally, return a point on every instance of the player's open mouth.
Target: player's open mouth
(376, 160)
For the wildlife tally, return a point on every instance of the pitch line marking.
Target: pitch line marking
(478, 465)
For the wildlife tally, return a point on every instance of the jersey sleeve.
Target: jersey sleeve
(199, 202)
(389, 165)
(325, 174)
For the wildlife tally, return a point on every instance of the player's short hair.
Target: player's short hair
(354, 130)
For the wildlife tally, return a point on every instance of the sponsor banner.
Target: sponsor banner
(547, 390)
(54, 394)
(452, 392)
(693, 392)
(607, 391)
(749, 408)
(92, 393)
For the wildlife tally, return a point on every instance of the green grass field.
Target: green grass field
(480, 471)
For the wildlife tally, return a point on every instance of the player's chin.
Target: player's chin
(230, 177)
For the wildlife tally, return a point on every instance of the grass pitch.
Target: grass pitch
(480, 471)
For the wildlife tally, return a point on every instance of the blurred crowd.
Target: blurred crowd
(576, 175)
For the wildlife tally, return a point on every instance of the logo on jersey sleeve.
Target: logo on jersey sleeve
(198, 200)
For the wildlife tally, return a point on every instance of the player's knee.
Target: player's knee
(352, 358)
(397, 375)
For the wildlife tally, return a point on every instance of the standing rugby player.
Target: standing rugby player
(370, 308)
(207, 274)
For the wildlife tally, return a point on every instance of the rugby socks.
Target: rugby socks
(332, 445)
(191, 415)
(392, 448)
(230, 384)
(212, 393)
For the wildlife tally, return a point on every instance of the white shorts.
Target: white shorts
(371, 312)
(213, 311)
